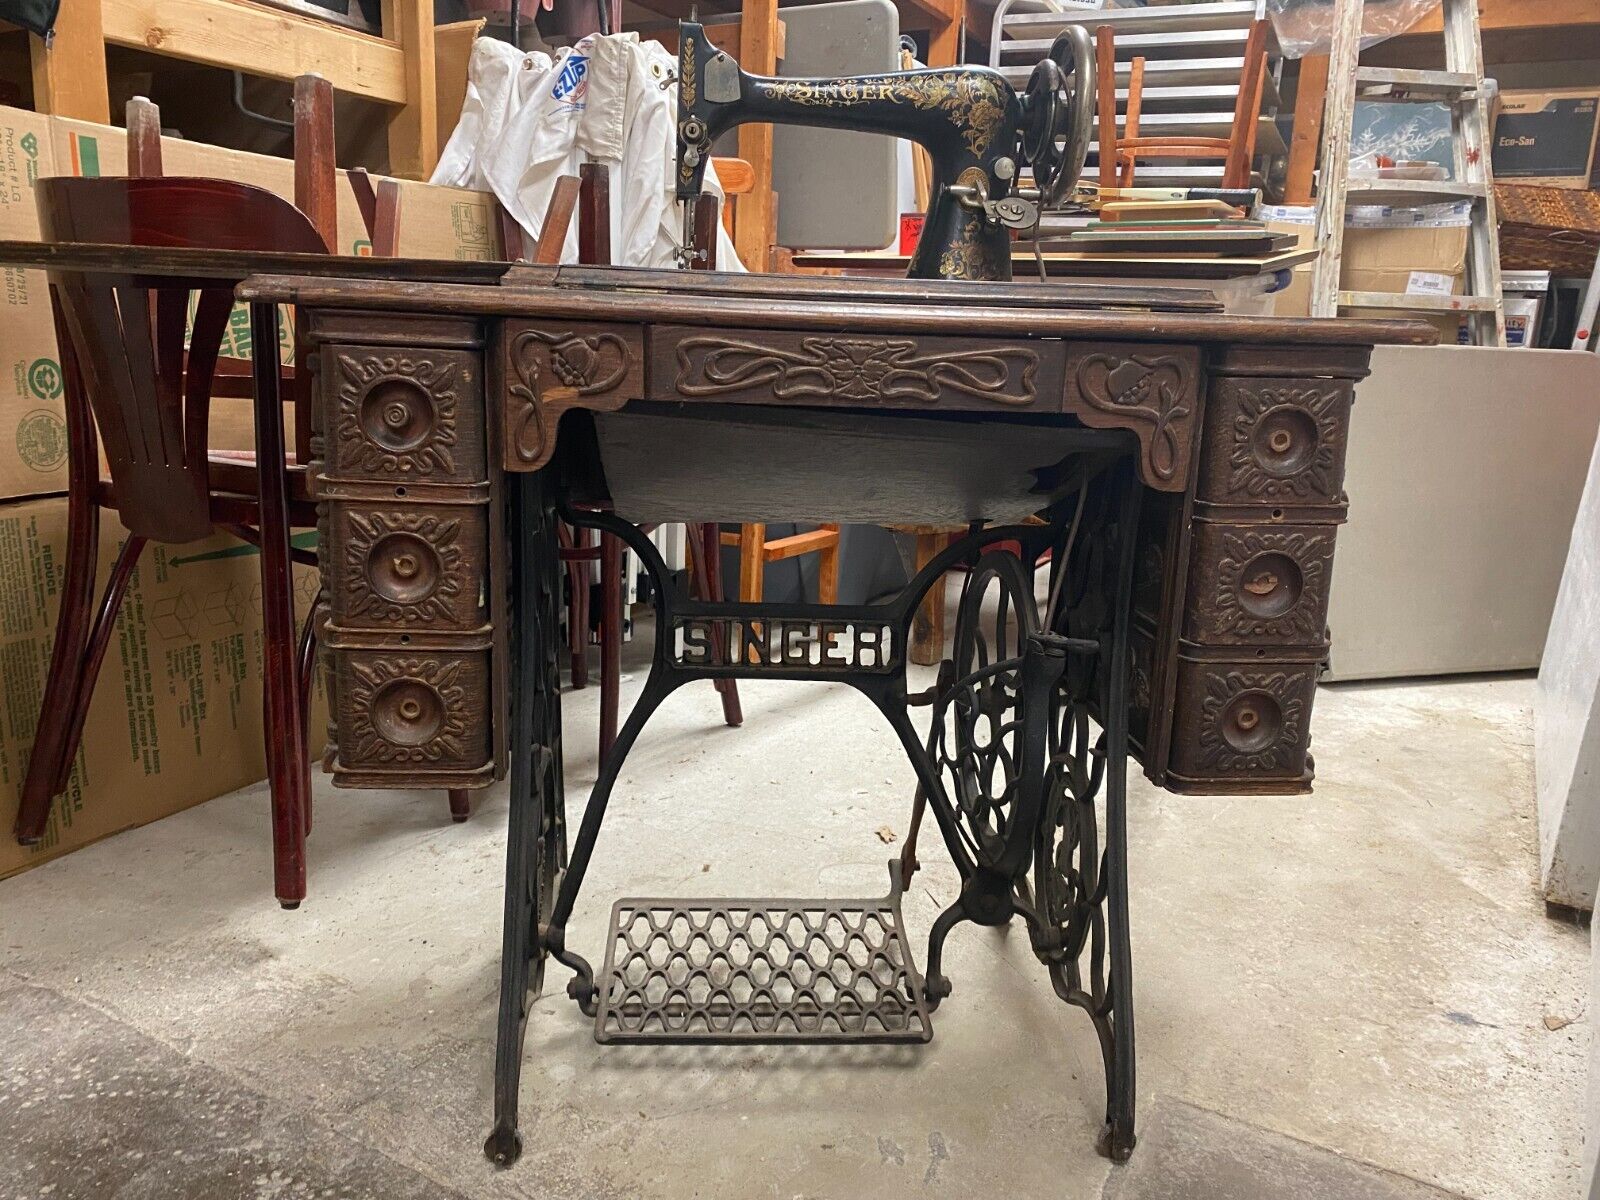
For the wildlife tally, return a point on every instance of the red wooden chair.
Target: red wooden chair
(131, 383)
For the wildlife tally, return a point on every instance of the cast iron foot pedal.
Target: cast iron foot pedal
(761, 970)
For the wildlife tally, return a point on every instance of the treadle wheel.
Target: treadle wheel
(976, 738)
(761, 970)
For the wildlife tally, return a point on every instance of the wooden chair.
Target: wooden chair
(1119, 153)
(589, 195)
(131, 382)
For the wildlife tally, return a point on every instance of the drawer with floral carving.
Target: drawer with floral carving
(402, 566)
(1259, 584)
(1241, 725)
(762, 366)
(1275, 443)
(400, 415)
(412, 718)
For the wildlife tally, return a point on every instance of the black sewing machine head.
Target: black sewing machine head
(978, 132)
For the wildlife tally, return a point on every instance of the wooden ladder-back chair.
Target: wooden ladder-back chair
(589, 195)
(1119, 153)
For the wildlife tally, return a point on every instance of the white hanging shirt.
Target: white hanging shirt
(529, 118)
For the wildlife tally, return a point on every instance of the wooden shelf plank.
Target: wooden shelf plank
(270, 42)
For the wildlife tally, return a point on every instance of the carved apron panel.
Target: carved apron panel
(551, 368)
(866, 371)
(1152, 390)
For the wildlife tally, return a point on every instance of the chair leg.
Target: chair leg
(52, 745)
(828, 570)
(95, 653)
(578, 608)
(307, 663)
(927, 625)
(460, 804)
(284, 724)
(752, 565)
(610, 638)
(705, 554)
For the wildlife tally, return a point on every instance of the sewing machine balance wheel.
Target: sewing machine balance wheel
(1059, 108)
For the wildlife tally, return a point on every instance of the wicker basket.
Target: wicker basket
(1547, 229)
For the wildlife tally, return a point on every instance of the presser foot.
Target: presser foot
(761, 971)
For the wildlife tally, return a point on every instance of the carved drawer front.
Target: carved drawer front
(397, 415)
(1259, 585)
(411, 719)
(1241, 726)
(407, 566)
(553, 366)
(764, 366)
(1151, 390)
(1278, 443)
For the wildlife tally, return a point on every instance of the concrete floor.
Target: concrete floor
(1343, 995)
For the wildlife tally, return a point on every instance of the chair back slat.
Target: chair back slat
(149, 399)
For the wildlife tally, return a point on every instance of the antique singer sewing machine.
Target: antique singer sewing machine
(1183, 470)
(978, 132)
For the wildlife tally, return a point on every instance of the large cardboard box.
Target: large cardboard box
(435, 222)
(176, 715)
(1387, 250)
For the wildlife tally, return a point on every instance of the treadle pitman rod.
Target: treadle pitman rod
(1008, 769)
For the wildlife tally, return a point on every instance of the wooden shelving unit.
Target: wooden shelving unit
(396, 70)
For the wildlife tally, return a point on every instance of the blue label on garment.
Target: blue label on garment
(572, 85)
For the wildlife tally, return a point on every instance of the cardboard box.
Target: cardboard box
(1546, 137)
(176, 714)
(435, 222)
(1384, 251)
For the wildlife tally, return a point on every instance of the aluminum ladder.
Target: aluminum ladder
(1460, 88)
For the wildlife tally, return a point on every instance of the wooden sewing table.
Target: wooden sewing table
(1187, 468)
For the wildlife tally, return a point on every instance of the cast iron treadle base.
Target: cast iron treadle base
(760, 970)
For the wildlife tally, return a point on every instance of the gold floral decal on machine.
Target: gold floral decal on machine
(551, 371)
(974, 102)
(841, 369)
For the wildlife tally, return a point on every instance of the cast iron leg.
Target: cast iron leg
(535, 838)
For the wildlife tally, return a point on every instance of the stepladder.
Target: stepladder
(1460, 87)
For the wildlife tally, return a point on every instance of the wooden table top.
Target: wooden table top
(822, 303)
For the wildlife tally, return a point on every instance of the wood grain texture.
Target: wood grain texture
(551, 367)
(684, 305)
(69, 75)
(1153, 390)
(692, 363)
(414, 125)
(270, 42)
